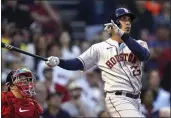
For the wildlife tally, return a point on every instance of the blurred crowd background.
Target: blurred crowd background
(66, 28)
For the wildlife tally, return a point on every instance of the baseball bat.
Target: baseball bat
(10, 47)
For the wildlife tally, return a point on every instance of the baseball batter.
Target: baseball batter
(120, 58)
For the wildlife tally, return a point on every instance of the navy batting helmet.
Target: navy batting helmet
(122, 12)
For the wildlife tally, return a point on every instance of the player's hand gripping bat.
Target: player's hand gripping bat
(10, 47)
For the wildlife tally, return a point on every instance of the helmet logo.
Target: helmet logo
(126, 10)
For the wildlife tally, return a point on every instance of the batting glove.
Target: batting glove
(108, 27)
(116, 29)
(53, 61)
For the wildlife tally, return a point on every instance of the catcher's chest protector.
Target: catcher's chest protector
(21, 108)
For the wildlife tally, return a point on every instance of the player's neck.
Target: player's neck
(116, 38)
(17, 94)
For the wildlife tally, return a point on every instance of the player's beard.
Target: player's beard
(126, 30)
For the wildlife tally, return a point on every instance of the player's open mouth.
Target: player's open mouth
(127, 28)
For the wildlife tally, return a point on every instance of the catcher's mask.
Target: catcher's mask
(24, 80)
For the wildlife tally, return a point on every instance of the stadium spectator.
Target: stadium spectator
(42, 93)
(12, 12)
(44, 14)
(33, 45)
(84, 45)
(162, 98)
(157, 47)
(144, 35)
(54, 109)
(77, 106)
(163, 62)
(52, 49)
(86, 14)
(153, 6)
(147, 107)
(40, 47)
(142, 13)
(68, 49)
(101, 36)
(96, 96)
(7, 30)
(59, 75)
(48, 83)
(165, 82)
(164, 16)
(52, 86)
(16, 40)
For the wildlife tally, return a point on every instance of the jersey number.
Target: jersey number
(136, 71)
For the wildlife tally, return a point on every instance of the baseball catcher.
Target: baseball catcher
(17, 102)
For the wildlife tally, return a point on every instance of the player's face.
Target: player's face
(125, 23)
(26, 85)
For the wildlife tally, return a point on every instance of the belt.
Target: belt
(130, 95)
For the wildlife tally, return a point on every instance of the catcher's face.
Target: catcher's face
(24, 80)
(125, 22)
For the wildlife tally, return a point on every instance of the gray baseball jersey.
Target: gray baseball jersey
(121, 69)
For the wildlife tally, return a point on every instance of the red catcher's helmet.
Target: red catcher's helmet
(23, 79)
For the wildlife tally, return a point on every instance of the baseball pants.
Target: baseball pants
(122, 106)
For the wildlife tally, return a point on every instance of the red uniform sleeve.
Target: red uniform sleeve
(4, 107)
(3, 100)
